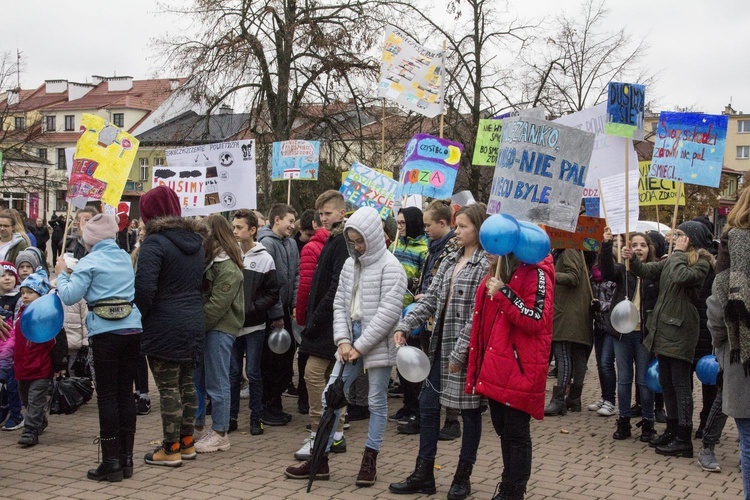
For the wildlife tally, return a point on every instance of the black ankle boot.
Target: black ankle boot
(461, 486)
(556, 405)
(110, 468)
(127, 439)
(573, 401)
(623, 429)
(422, 480)
(667, 436)
(647, 430)
(680, 446)
(508, 492)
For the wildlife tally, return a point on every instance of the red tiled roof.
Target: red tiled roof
(145, 95)
(31, 99)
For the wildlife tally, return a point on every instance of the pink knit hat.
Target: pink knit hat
(100, 227)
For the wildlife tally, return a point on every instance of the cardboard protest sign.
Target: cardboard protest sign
(653, 191)
(102, 161)
(298, 160)
(430, 167)
(541, 171)
(592, 207)
(488, 143)
(626, 103)
(613, 196)
(387, 173)
(412, 75)
(229, 175)
(364, 187)
(689, 147)
(189, 183)
(608, 156)
(587, 235)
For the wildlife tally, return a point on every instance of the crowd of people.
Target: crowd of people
(196, 300)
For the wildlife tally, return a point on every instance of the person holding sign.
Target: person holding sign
(673, 328)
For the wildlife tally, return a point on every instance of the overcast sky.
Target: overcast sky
(698, 48)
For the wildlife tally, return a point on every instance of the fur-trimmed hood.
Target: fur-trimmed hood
(708, 256)
(186, 234)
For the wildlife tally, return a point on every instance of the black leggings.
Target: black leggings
(570, 359)
(513, 427)
(114, 361)
(674, 377)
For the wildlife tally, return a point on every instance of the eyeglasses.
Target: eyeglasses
(678, 234)
(401, 223)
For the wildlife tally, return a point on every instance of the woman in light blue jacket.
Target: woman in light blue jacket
(105, 279)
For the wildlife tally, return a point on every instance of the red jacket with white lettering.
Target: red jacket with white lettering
(308, 259)
(511, 336)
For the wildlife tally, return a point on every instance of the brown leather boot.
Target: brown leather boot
(367, 471)
(303, 471)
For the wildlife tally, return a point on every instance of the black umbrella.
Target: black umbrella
(335, 400)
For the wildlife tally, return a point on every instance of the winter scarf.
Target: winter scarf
(732, 286)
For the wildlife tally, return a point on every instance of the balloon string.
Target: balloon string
(429, 384)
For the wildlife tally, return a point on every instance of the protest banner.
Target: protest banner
(587, 235)
(430, 167)
(33, 206)
(189, 183)
(653, 191)
(102, 161)
(613, 201)
(364, 187)
(592, 207)
(387, 173)
(488, 143)
(297, 159)
(608, 156)
(625, 107)
(411, 75)
(689, 147)
(541, 171)
(230, 175)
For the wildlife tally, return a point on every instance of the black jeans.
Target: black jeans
(115, 359)
(513, 427)
(277, 370)
(411, 389)
(571, 359)
(141, 375)
(675, 379)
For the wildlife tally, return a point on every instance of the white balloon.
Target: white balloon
(412, 363)
(297, 332)
(624, 317)
(279, 341)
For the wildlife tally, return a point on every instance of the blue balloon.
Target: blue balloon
(707, 369)
(42, 320)
(533, 243)
(499, 234)
(652, 376)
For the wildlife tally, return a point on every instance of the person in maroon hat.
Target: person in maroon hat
(168, 293)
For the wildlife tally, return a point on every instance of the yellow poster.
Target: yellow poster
(102, 161)
(654, 191)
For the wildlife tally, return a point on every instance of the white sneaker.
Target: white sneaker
(607, 410)
(304, 452)
(596, 406)
(212, 442)
(199, 434)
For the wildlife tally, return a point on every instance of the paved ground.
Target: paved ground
(574, 457)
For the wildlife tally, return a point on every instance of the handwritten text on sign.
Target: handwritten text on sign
(654, 191)
(541, 171)
(625, 108)
(589, 232)
(488, 143)
(364, 187)
(430, 166)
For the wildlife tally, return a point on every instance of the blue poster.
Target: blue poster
(298, 160)
(430, 167)
(689, 147)
(626, 103)
(592, 207)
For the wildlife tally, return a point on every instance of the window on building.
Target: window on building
(42, 153)
(743, 152)
(70, 123)
(144, 169)
(20, 122)
(158, 162)
(118, 119)
(51, 123)
(743, 126)
(61, 158)
(60, 204)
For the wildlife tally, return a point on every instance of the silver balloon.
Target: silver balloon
(412, 363)
(297, 332)
(279, 341)
(624, 317)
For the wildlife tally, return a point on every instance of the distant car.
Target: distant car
(647, 225)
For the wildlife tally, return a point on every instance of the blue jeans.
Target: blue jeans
(429, 420)
(743, 428)
(211, 376)
(629, 350)
(604, 348)
(249, 345)
(377, 397)
(11, 387)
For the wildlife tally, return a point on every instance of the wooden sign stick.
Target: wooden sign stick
(627, 198)
(674, 216)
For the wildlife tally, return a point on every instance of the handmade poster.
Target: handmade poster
(188, 182)
(387, 173)
(588, 233)
(364, 187)
(296, 160)
(592, 207)
(488, 142)
(689, 147)
(654, 191)
(102, 161)
(541, 171)
(430, 167)
(613, 196)
(626, 103)
(230, 175)
(608, 156)
(412, 75)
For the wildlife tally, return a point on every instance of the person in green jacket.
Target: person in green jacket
(224, 310)
(673, 328)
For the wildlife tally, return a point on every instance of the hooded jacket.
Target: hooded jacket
(223, 296)
(308, 259)
(261, 288)
(286, 257)
(382, 284)
(511, 336)
(572, 320)
(168, 288)
(16, 246)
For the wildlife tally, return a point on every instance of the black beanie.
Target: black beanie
(660, 244)
(698, 233)
(414, 222)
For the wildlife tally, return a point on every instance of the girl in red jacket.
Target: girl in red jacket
(509, 348)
